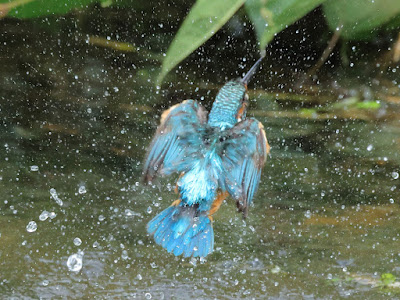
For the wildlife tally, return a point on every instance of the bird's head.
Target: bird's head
(231, 102)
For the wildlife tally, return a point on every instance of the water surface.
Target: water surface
(75, 126)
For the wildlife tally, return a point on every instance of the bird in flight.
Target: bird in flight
(217, 154)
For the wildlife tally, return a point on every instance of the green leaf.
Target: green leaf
(272, 16)
(360, 18)
(369, 105)
(346, 103)
(308, 112)
(204, 19)
(387, 279)
(38, 8)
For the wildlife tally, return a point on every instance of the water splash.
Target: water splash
(131, 213)
(44, 215)
(74, 262)
(53, 194)
(77, 241)
(124, 255)
(34, 168)
(82, 189)
(31, 227)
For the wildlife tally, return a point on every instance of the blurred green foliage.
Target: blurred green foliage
(369, 105)
(356, 19)
(387, 279)
(271, 17)
(205, 18)
(40, 8)
(360, 19)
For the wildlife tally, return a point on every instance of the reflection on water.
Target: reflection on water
(73, 209)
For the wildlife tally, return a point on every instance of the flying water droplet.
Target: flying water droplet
(275, 270)
(82, 190)
(147, 295)
(370, 147)
(74, 262)
(395, 175)
(31, 227)
(34, 168)
(193, 261)
(77, 241)
(44, 215)
(130, 213)
(124, 255)
(149, 210)
(53, 194)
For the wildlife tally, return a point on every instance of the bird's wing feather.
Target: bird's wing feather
(244, 156)
(178, 136)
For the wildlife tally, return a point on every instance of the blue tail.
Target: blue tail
(183, 230)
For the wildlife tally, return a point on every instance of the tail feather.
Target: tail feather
(160, 224)
(174, 242)
(207, 244)
(160, 232)
(179, 250)
(179, 230)
(181, 226)
(188, 249)
(198, 246)
(204, 245)
(154, 224)
(191, 248)
(197, 227)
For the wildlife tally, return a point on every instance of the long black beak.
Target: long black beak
(253, 69)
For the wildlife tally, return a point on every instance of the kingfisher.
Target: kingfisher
(217, 154)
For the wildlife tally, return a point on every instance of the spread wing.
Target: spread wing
(245, 153)
(179, 136)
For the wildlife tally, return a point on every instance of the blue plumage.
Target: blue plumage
(179, 231)
(221, 155)
(227, 101)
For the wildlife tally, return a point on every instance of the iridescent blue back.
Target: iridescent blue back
(224, 110)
